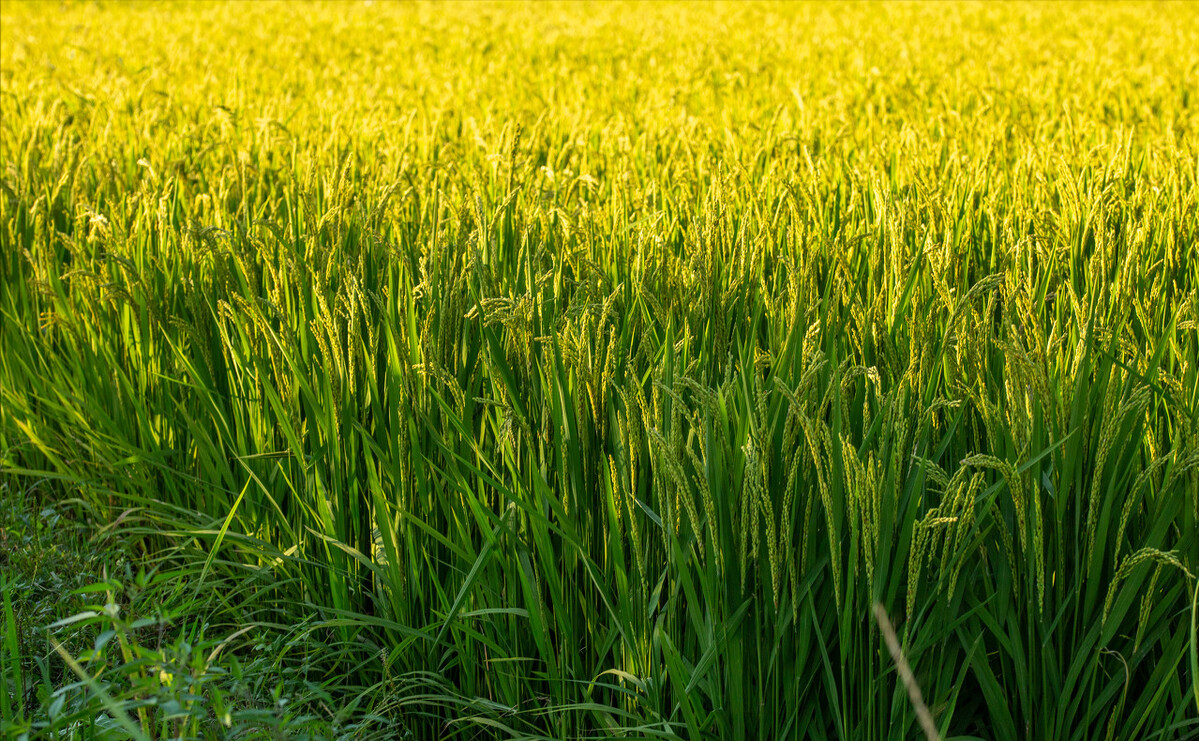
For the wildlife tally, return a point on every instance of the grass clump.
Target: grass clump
(104, 641)
(550, 372)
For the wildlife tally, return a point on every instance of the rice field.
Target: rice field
(576, 371)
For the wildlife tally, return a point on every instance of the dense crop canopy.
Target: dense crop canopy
(595, 369)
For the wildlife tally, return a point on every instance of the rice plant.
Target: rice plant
(564, 371)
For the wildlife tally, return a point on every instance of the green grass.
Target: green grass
(564, 371)
(101, 640)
